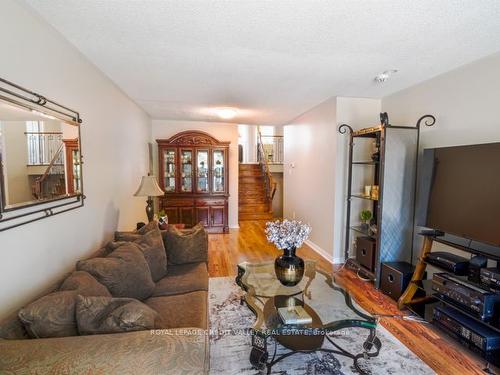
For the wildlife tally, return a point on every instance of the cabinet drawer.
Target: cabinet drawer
(179, 202)
(209, 202)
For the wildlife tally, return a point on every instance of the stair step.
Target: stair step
(250, 173)
(249, 166)
(254, 207)
(251, 180)
(255, 216)
(246, 201)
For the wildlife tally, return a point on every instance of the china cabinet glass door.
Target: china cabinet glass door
(169, 170)
(202, 171)
(186, 170)
(218, 165)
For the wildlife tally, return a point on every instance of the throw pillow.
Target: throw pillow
(53, 315)
(150, 241)
(96, 315)
(186, 246)
(85, 284)
(124, 272)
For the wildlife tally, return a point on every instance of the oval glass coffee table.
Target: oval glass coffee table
(330, 307)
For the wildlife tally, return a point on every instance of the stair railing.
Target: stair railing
(269, 182)
(37, 187)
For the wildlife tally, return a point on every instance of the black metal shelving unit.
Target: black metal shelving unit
(395, 172)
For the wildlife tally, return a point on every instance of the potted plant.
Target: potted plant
(365, 216)
(288, 235)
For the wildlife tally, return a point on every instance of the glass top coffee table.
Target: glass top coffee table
(331, 308)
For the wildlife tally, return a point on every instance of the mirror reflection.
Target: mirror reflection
(39, 157)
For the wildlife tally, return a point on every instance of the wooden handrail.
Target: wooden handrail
(271, 184)
(37, 185)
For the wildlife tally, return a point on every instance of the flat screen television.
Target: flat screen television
(461, 191)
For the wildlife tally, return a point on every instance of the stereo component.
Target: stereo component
(472, 334)
(476, 263)
(477, 301)
(490, 277)
(450, 262)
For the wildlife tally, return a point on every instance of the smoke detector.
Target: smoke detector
(384, 76)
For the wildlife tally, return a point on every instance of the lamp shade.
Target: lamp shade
(149, 188)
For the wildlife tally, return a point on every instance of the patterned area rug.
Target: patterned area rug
(230, 346)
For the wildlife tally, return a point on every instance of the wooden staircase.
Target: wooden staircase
(253, 201)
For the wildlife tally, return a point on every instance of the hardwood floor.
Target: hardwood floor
(441, 353)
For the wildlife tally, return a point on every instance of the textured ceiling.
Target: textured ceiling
(272, 59)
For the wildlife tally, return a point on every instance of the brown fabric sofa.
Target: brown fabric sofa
(179, 344)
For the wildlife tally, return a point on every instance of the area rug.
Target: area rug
(230, 344)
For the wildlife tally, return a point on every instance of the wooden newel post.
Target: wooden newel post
(407, 297)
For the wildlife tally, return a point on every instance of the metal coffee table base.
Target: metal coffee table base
(259, 355)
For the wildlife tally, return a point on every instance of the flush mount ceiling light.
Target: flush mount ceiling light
(384, 76)
(226, 113)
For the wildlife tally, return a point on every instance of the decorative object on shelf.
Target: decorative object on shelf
(149, 188)
(288, 235)
(365, 217)
(368, 191)
(376, 149)
(162, 220)
(375, 192)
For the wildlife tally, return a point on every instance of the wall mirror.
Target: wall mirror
(40, 157)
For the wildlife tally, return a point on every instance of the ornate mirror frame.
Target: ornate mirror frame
(19, 97)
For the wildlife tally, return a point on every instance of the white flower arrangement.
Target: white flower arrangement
(287, 233)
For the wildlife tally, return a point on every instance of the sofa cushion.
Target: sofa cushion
(181, 310)
(186, 246)
(85, 283)
(110, 315)
(150, 241)
(53, 315)
(183, 278)
(124, 272)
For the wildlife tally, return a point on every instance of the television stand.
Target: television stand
(407, 298)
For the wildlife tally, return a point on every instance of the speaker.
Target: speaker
(395, 277)
(475, 264)
(365, 252)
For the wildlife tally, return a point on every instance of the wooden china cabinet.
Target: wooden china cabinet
(193, 172)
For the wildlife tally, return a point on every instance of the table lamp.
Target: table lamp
(149, 188)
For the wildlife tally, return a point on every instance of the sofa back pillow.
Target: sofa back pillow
(124, 272)
(186, 246)
(53, 315)
(85, 283)
(96, 315)
(150, 241)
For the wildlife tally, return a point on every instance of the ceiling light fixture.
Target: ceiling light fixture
(384, 76)
(226, 113)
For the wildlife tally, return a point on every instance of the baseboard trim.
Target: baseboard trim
(234, 227)
(321, 251)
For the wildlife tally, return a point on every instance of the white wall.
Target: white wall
(309, 172)
(465, 102)
(315, 189)
(115, 133)
(163, 129)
